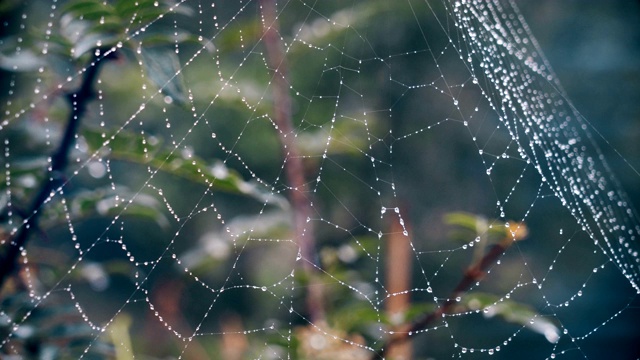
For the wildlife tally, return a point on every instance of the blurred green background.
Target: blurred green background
(231, 240)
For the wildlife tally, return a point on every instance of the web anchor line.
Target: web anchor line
(550, 134)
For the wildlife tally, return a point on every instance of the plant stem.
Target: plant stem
(78, 101)
(398, 281)
(474, 273)
(293, 167)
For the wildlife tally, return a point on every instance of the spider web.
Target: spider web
(174, 230)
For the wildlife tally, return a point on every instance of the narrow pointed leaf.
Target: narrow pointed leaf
(163, 67)
(513, 312)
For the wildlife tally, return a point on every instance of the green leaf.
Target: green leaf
(110, 25)
(322, 31)
(26, 166)
(513, 312)
(70, 330)
(26, 60)
(171, 37)
(147, 11)
(288, 344)
(127, 9)
(92, 41)
(490, 231)
(148, 151)
(163, 67)
(239, 32)
(82, 7)
(356, 317)
(348, 136)
(213, 246)
(417, 311)
(120, 142)
(95, 12)
(73, 29)
(179, 8)
(464, 220)
(108, 202)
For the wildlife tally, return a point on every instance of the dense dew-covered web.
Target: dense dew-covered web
(193, 222)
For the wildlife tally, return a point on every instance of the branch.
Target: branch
(293, 167)
(78, 101)
(473, 274)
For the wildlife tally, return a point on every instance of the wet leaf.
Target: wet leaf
(24, 166)
(416, 311)
(92, 41)
(171, 37)
(26, 60)
(513, 312)
(146, 11)
(109, 202)
(82, 7)
(240, 32)
(216, 246)
(357, 316)
(164, 69)
(148, 151)
(334, 347)
(110, 25)
(470, 225)
(348, 136)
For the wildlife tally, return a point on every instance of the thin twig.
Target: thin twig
(472, 275)
(78, 101)
(293, 167)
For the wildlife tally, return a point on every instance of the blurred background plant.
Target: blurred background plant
(162, 179)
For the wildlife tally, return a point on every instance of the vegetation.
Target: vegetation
(96, 201)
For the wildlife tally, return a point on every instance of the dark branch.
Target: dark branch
(78, 101)
(472, 275)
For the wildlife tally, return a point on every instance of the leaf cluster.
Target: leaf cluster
(47, 329)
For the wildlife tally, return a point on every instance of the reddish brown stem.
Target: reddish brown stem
(293, 167)
(472, 275)
(398, 281)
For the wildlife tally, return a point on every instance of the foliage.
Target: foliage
(122, 29)
(49, 329)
